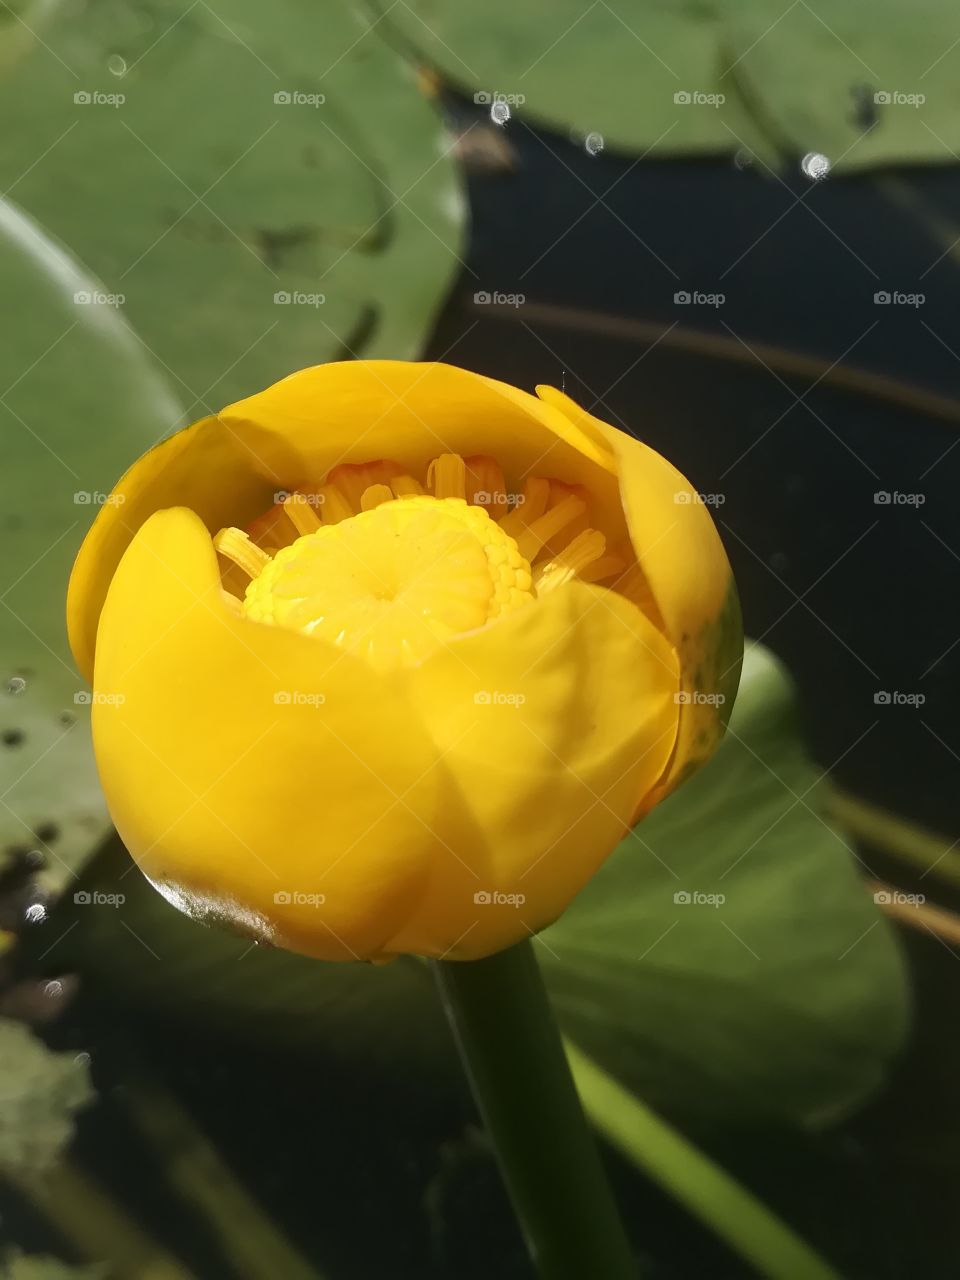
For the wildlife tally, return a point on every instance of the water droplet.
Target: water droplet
(36, 913)
(743, 158)
(82, 1059)
(499, 112)
(593, 143)
(53, 989)
(16, 685)
(116, 65)
(815, 165)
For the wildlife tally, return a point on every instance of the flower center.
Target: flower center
(391, 572)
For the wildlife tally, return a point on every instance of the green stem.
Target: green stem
(512, 1051)
(709, 1192)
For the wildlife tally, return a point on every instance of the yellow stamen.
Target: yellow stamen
(585, 548)
(485, 485)
(547, 526)
(236, 546)
(301, 512)
(334, 506)
(536, 495)
(375, 495)
(447, 476)
(405, 486)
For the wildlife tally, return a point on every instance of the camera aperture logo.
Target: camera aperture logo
(694, 898)
(298, 898)
(494, 898)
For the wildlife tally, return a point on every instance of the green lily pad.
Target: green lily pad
(39, 1093)
(80, 398)
(706, 78)
(257, 192)
(729, 959)
(786, 1001)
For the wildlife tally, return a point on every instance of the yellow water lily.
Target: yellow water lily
(387, 658)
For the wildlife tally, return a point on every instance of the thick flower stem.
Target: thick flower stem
(512, 1051)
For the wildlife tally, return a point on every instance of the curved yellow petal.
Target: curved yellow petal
(551, 723)
(689, 575)
(227, 468)
(258, 776)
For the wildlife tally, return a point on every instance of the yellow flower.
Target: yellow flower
(388, 657)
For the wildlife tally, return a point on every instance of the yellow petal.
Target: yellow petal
(251, 770)
(227, 468)
(689, 575)
(551, 723)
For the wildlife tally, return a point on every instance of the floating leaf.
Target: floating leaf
(80, 398)
(711, 77)
(258, 192)
(39, 1092)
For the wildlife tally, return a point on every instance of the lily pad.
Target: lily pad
(80, 397)
(786, 1001)
(39, 1093)
(257, 192)
(681, 79)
